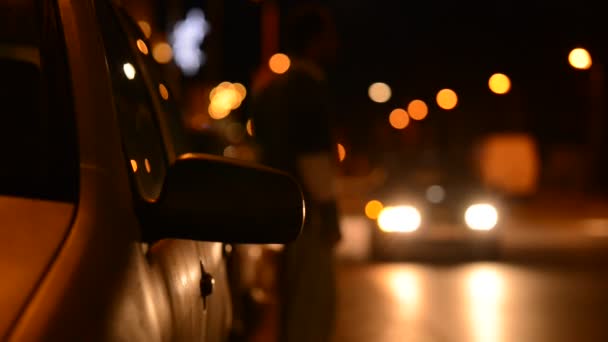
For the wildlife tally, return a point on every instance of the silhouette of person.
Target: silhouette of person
(292, 119)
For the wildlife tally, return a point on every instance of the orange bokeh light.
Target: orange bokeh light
(164, 92)
(418, 109)
(279, 63)
(162, 52)
(447, 99)
(373, 209)
(145, 27)
(249, 127)
(141, 45)
(399, 118)
(341, 152)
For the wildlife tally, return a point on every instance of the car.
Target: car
(436, 215)
(111, 229)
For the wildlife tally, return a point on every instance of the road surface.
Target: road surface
(550, 284)
(475, 301)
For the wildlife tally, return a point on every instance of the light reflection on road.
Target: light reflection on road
(406, 287)
(485, 290)
(477, 302)
(482, 294)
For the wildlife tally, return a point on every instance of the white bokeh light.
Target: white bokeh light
(129, 70)
(481, 216)
(379, 92)
(435, 194)
(401, 219)
(186, 39)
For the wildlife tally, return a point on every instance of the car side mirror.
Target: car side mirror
(211, 198)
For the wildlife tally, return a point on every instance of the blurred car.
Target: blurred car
(110, 229)
(436, 215)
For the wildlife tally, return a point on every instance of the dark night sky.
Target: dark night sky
(419, 47)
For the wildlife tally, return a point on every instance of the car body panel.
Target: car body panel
(25, 253)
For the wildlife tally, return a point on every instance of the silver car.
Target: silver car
(110, 229)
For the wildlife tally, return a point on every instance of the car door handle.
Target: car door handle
(207, 284)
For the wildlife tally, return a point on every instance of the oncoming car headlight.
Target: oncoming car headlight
(401, 219)
(481, 216)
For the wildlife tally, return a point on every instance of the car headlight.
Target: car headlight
(400, 219)
(481, 216)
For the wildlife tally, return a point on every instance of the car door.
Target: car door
(217, 303)
(115, 270)
(39, 169)
(193, 272)
(95, 284)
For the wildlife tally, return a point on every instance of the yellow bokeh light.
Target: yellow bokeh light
(499, 84)
(162, 53)
(145, 28)
(379, 92)
(279, 63)
(224, 98)
(373, 209)
(236, 92)
(147, 165)
(225, 85)
(399, 118)
(141, 45)
(447, 99)
(215, 90)
(341, 152)
(228, 98)
(134, 165)
(164, 92)
(580, 58)
(418, 109)
(240, 89)
(249, 127)
(217, 111)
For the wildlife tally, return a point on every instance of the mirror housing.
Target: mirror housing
(211, 198)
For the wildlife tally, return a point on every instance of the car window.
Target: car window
(170, 106)
(37, 140)
(142, 139)
(160, 88)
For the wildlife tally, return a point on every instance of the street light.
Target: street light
(417, 109)
(580, 58)
(279, 63)
(447, 99)
(379, 92)
(399, 118)
(499, 84)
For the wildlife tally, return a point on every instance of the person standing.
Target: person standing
(292, 119)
